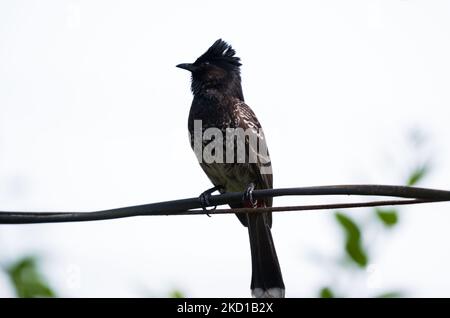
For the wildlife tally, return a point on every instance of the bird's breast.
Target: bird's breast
(233, 177)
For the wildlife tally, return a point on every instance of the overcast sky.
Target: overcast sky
(93, 115)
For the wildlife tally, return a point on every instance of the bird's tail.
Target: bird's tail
(267, 281)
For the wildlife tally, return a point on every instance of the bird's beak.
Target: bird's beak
(187, 66)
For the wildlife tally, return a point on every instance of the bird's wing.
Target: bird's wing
(261, 170)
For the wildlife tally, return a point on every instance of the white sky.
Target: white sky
(93, 115)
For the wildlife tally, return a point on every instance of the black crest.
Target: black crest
(219, 53)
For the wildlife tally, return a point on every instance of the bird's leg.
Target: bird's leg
(204, 199)
(248, 196)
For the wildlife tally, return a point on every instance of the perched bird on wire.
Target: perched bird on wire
(219, 107)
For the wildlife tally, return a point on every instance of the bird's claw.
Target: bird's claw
(204, 199)
(248, 195)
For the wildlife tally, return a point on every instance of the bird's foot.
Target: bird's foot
(204, 199)
(248, 196)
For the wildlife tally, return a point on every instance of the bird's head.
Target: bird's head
(217, 68)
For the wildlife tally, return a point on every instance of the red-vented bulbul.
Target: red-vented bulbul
(219, 103)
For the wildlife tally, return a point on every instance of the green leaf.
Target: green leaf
(356, 253)
(389, 217)
(392, 294)
(176, 294)
(353, 245)
(27, 280)
(326, 292)
(417, 175)
(350, 227)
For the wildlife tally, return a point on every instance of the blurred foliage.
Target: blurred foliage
(389, 217)
(393, 294)
(326, 292)
(354, 248)
(27, 280)
(417, 175)
(176, 294)
(353, 245)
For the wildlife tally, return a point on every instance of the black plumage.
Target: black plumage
(219, 103)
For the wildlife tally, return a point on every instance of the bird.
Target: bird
(218, 103)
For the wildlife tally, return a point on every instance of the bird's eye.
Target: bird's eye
(206, 63)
